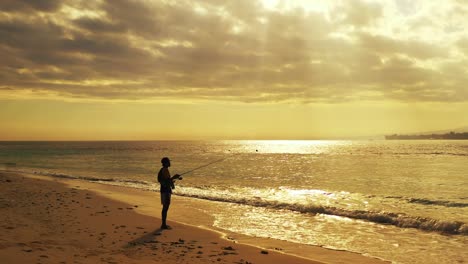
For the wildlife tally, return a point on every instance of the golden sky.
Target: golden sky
(233, 69)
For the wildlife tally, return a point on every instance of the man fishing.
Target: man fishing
(167, 184)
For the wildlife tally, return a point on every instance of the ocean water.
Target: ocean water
(403, 201)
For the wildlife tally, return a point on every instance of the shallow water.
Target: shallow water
(404, 201)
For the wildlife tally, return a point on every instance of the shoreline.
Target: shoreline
(139, 241)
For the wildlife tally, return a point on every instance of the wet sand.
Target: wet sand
(49, 220)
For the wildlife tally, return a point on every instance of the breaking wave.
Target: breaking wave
(436, 202)
(79, 177)
(395, 219)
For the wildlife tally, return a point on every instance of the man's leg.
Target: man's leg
(164, 215)
(165, 201)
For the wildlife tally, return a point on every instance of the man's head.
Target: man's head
(166, 162)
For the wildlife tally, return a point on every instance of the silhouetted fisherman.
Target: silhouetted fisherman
(167, 184)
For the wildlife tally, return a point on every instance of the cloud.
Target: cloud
(29, 5)
(412, 48)
(229, 50)
(360, 13)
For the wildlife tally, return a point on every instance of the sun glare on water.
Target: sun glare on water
(292, 146)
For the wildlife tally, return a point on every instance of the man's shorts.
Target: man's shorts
(165, 198)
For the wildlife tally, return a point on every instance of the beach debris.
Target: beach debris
(264, 252)
(228, 248)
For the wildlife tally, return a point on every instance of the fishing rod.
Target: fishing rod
(203, 166)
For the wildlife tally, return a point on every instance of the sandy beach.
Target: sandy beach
(49, 220)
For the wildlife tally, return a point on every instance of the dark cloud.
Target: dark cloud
(30, 5)
(97, 25)
(229, 50)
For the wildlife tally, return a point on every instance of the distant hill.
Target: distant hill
(456, 130)
(450, 135)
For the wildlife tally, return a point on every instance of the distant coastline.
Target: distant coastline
(451, 135)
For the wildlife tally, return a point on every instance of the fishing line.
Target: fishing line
(206, 165)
